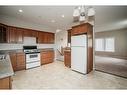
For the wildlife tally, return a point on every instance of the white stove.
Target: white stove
(32, 56)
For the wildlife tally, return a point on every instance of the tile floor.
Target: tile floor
(57, 76)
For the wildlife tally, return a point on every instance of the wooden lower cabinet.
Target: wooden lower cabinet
(47, 57)
(18, 61)
(5, 83)
(13, 60)
(67, 58)
(21, 64)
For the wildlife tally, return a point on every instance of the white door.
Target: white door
(79, 59)
(80, 40)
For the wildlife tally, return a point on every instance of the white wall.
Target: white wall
(60, 40)
(120, 37)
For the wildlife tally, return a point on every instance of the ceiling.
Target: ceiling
(106, 17)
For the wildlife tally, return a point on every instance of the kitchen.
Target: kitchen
(32, 51)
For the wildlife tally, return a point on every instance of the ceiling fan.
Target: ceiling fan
(82, 14)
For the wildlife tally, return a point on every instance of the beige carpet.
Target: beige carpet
(57, 76)
(111, 65)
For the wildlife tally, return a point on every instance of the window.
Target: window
(109, 44)
(99, 45)
(105, 44)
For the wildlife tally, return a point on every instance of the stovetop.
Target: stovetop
(31, 51)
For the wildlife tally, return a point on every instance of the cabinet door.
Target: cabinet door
(34, 33)
(12, 34)
(3, 34)
(30, 33)
(27, 33)
(46, 38)
(41, 37)
(47, 57)
(67, 58)
(80, 29)
(21, 61)
(19, 35)
(69, 35)
(13, 60)
(50, 38)
(5, 83)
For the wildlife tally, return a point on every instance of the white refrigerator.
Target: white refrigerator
(79, 53)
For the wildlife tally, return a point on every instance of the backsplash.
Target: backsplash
(28, 41)
(4, 46)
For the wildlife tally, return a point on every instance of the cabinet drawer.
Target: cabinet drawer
(20, 59)
(21, 67)
(47, 60)
(47, 54)
(5, 83)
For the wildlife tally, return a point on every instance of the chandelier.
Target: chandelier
(82, 13)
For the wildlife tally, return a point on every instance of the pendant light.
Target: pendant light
(82, 18)
(76, 12)
(82, 14)
(91, 11)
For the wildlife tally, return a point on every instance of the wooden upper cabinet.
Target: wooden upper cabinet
(69, 35)
(26, 33)
(34, 33)
(41, 37)
(30, 33)
(15, 35)
(50, 38)
(12, 35)
(19, 35)
(46, 38)
(80, 29)
(4, 35)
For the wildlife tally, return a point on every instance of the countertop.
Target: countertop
(6, 68)
(21, 50)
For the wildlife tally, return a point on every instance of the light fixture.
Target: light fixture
(83, 13)
(82, 18)
(58, 30)
(62, 16)
(91, 11)
(76, 12)
(52, 21)
(20, 10)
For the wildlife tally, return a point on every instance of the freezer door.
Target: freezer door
(80, 40)
(79, 59)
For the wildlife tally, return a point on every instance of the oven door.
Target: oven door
(32, 57)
